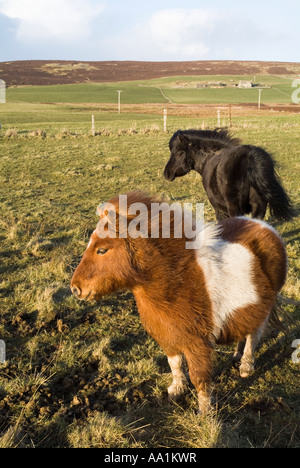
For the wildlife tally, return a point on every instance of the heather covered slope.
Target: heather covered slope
(43, 72)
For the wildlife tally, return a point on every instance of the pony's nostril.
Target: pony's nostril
(166, 174)
(76, 291)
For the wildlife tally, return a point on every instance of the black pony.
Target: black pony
(238, 179)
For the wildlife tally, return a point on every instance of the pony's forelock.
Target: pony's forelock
(159, 216)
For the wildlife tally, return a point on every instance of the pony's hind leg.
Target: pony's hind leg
(176, 389)
(221, 215)
(239, 351)
(258, 205)
(247, 361)
(259, 210)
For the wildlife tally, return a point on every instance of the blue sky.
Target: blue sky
(158, 30)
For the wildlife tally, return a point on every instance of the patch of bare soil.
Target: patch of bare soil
(192, 110)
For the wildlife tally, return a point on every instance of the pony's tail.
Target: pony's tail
(264, 179)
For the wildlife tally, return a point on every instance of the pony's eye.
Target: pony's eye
(101, 251)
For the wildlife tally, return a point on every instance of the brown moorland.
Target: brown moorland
(43, 72)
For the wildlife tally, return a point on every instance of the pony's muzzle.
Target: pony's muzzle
(78, 293)
(168, 176)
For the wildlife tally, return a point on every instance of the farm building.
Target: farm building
(2, 92)
(245, 84)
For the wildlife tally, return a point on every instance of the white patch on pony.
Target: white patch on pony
(179, 379)
(228, 269)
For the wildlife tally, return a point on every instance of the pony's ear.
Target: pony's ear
(183, 140)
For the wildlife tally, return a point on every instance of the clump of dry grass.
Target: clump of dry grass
(11, 438)
(105, 167)
(11, 133)
(38, 133)
(48, 301)
(13, 228)
(64, 133)
(101, 431)
(193, 430)
(104, 131)
(154, 128)
(128, 131)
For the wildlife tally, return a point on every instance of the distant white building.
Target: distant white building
(2, 92)
(245, 84)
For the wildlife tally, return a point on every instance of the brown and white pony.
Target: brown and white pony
(190, 299)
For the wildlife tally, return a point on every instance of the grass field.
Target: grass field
(159, 91)
(87, 375)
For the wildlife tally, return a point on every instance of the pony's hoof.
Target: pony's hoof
(206, 409)
(175, 392)
(246, 370)
(205, 404)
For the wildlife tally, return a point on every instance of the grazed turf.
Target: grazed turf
(87, 374)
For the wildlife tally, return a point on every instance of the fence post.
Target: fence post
(165, 120)
(93, 125)
(119, 100)
(219, 119)
(259, 98)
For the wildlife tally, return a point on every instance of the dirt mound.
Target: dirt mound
(42, 72)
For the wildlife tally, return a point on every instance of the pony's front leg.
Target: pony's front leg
(199, 362)
(176, 389)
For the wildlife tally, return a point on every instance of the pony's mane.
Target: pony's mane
(136, 196)
(219, 134)
(208, 235)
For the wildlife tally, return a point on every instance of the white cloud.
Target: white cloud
(190, 34)
(182, 32)
(178, 33)
(58, 20)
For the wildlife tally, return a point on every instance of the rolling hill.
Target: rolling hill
(43, 72)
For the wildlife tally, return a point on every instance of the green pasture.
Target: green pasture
(54, 118)
(158, 91)
(86, 374)
(281, 94)
(132, 93)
